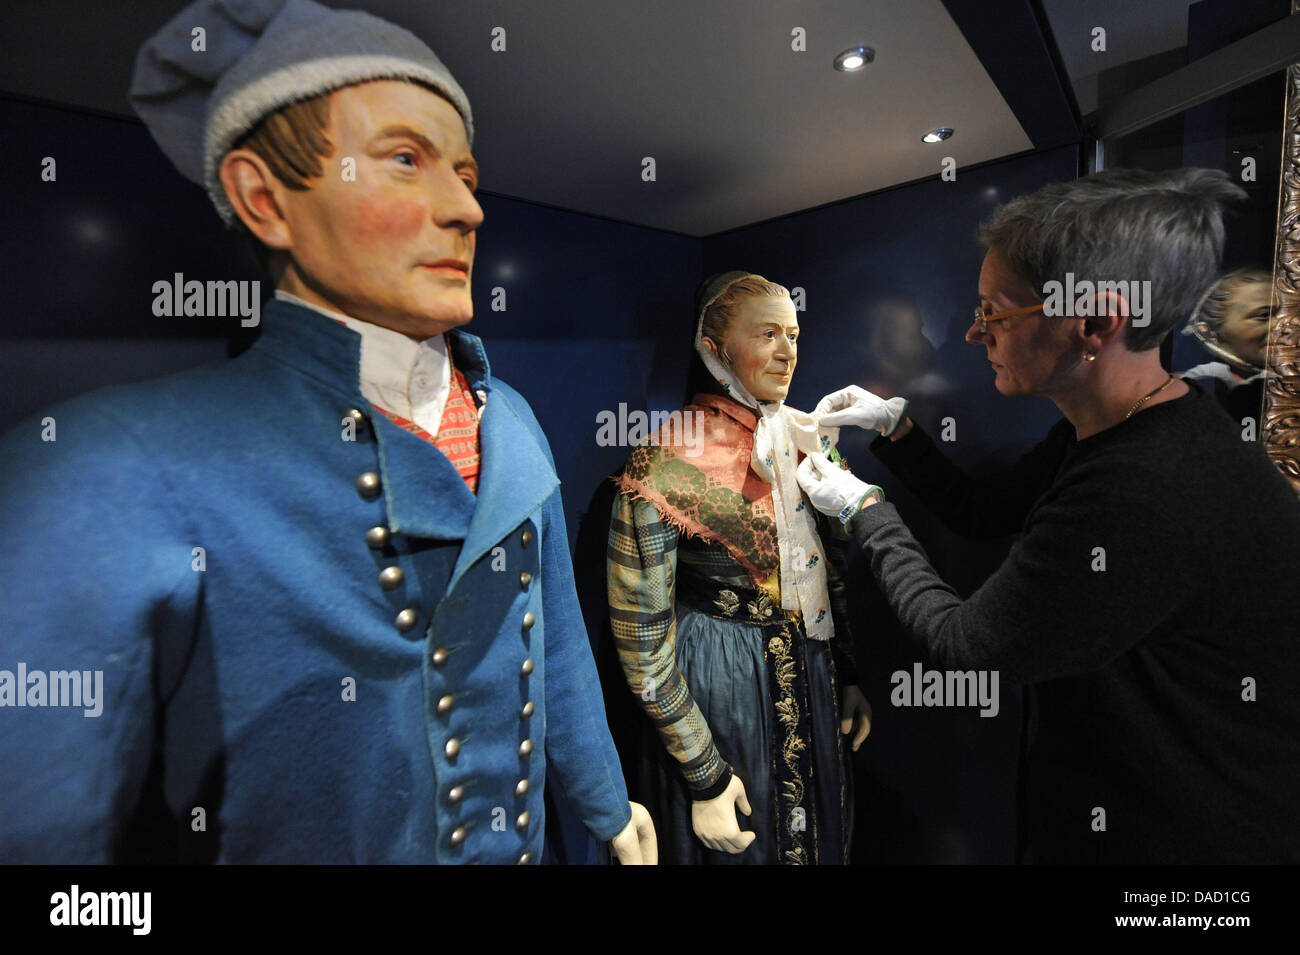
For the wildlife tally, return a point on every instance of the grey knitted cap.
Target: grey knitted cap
(258, 56)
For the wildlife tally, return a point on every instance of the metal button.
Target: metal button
(377, 537)
(526, 537)
(452, 748)
(527, 668)
(526, 747)
(527, 711)
(522, 822)
(390, 578)
(445, 704)
(525, 859)
(529, 620)
(369, 486)
(525, 578)
(439, 657)
(521, 788)
(357, 417)
(406, 620)
(455, 794)
(458, 836)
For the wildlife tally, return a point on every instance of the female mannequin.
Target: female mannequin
(728, 610)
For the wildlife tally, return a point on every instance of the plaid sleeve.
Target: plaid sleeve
(642, 563)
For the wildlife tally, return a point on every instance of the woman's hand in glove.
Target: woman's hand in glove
(834, 490)
(857, 406)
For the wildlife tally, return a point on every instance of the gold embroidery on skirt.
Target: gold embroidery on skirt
(787, 711)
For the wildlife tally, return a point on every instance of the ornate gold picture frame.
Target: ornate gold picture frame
(1280, 415)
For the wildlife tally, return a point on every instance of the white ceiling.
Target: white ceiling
(741, 128)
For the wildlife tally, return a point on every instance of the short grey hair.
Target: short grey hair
(1121, 225)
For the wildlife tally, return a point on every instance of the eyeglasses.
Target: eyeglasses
(984, 319)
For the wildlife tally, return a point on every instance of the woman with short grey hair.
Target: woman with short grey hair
(1138, 606)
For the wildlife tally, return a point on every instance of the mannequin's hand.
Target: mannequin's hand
(857, 406)
(834, 490)
(636, 844)
(855, 712)
(715, 822)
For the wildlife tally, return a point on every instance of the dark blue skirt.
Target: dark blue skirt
(770, 697)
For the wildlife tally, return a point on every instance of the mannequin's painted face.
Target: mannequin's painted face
(762, 344)
(395, 246)
(1244, 329)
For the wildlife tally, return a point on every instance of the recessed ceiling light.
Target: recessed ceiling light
(854, 58)
(937, 135)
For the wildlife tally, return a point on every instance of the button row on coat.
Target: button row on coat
(370, 487)
(525, 747)
(451, 749)
(390, 578)
(457, 792)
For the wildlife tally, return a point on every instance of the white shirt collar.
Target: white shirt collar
(409, 378)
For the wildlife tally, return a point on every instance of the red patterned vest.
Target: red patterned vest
(458, 431)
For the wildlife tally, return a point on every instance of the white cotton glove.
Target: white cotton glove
(834, 490)
(857, 406)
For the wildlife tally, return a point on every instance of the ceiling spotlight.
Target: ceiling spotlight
(854, 58)
(937, 135)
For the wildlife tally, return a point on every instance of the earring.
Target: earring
(1089, 356)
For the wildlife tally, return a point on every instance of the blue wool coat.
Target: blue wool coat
(271, 696)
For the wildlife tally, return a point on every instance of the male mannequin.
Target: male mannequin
(324, 635)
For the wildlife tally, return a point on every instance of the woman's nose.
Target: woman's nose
(974, 335)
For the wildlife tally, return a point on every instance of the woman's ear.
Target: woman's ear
(711, 345)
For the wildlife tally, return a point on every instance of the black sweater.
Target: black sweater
(1138, 671)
